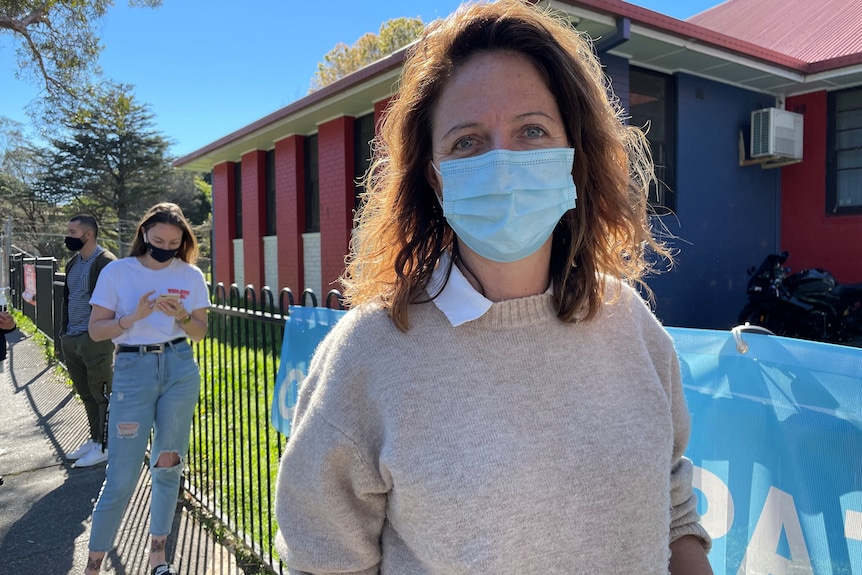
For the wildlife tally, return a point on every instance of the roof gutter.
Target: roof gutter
(621, 36)
(618, 9)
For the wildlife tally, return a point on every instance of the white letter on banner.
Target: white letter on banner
(719, 503)
(287, 393)
(779, 512)
(853, 525)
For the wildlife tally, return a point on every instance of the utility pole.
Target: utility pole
(5, 254)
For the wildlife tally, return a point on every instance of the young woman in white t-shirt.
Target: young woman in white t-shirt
(150, 304)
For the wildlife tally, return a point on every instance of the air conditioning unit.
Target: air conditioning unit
(776, 133)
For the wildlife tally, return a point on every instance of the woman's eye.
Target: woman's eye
(534, 132)
(464, 144)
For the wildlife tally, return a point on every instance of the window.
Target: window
(844, 153)
(651, 105)
(270, 193)
(237, 198)
(312, 185)
(363, 133)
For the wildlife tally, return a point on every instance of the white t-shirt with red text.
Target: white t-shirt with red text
(122, 283)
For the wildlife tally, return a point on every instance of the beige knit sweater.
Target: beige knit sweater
(514, 443)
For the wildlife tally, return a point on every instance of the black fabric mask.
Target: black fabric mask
(74, 244)
(159, 254)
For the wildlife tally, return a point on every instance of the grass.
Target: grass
(234, 452)
(26, 325)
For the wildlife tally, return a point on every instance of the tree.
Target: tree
(343, 59)
(56, 40)
(111, 162)
(22, 165)
(191, 193)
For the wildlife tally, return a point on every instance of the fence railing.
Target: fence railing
(234, 450)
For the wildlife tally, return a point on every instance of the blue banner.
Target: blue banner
(304, 329)
(777, 447)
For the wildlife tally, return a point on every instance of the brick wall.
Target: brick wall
(224, 224)
(311, 257)
(287, 259)
(253, 215)
(335, 150)
(290, 208)
(814, 237)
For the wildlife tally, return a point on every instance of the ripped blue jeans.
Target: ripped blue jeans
(155, 391)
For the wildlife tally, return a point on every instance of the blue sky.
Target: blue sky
(209, 67)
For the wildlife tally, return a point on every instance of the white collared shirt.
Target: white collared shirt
(458, 300)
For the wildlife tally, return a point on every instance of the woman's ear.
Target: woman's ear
(434, 179)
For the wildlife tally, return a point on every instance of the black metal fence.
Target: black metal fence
(234, 449)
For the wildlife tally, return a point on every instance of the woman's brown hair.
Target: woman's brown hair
(167, 213)
(401, 229)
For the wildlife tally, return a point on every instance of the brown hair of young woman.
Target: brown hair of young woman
(401, 229)
(167, 213)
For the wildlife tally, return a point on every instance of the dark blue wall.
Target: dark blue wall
(617, 69)
(727, 216)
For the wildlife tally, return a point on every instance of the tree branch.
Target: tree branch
(39, 15)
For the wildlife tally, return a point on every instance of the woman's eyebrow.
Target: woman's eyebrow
(469, 125)
(458, 128)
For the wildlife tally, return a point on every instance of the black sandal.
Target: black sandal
(166, 569)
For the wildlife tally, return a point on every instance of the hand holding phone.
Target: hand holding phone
(168, 297)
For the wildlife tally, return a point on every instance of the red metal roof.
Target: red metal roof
(810, 30)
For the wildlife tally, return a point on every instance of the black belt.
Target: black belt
(150, 348)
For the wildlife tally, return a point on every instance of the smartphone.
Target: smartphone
(168, 297)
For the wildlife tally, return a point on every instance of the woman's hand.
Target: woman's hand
(144, 309)
(172, 308)
(105, 324)
(194, 323)
(7, 322)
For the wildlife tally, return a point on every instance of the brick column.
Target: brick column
(224, 222)
(335, 151)
(253, 216)
(290, 211)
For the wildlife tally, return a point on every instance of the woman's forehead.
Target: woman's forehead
(163, 230)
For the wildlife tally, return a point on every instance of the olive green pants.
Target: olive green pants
(91, 368)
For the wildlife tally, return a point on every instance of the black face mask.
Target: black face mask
(74, 244)
(159, 254)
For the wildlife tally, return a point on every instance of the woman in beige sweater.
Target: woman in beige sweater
(499, 399)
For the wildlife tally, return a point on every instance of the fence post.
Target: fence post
(16, 279)
(5, 257)
(45, 268)
(59, 285)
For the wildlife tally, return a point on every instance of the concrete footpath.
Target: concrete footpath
(45, 504)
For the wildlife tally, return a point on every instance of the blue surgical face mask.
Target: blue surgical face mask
(505, 204)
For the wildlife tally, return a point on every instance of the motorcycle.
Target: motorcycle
(808, 304)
